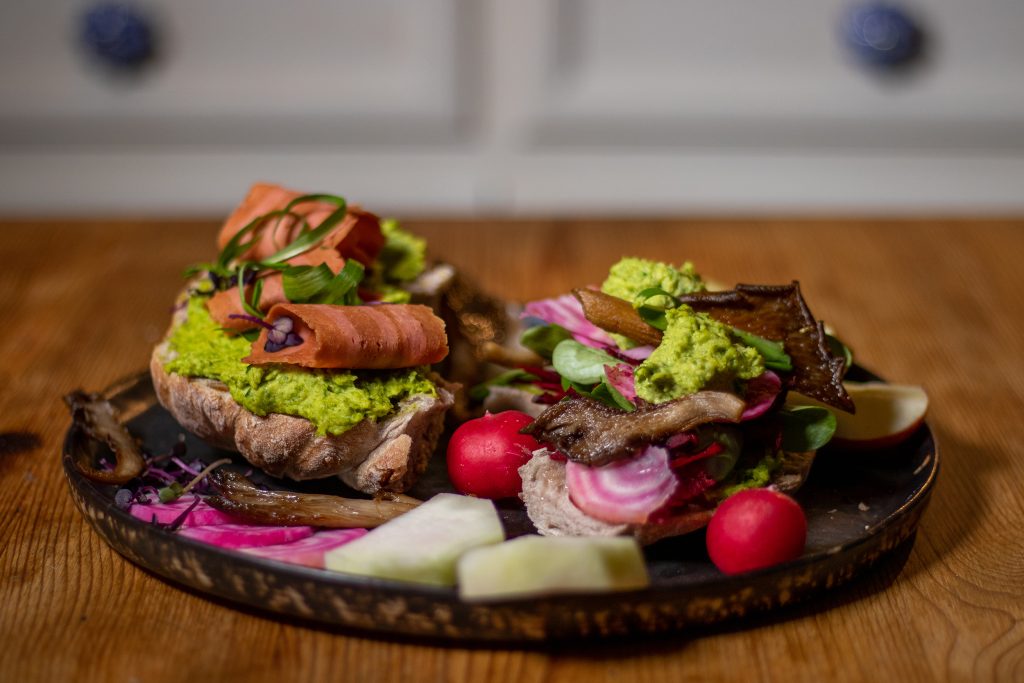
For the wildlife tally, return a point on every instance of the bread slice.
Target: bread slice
(553, 513)
(373, 456)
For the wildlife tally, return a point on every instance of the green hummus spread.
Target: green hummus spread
(695, 351)
(756, 477)
(630, 276)
(333, 400)
(403, 257)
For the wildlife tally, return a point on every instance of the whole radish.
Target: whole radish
(485, 454)
(754, 529)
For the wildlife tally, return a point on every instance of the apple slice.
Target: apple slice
(531, 566)
(886, 414)
(423, 544)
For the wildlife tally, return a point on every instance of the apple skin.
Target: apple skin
(887, 415)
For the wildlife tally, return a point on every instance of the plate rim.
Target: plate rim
(84, 490)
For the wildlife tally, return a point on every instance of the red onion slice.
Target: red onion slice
(625, 491)
(637, 353)
(761, 393)
(567, 311)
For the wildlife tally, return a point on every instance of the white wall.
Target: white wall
(647, 106)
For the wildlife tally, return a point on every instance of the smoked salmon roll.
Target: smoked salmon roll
(357, 236)
(225, 306)
(377, 337)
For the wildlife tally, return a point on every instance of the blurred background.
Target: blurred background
(174, 107)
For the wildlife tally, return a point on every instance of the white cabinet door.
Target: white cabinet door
(527, 106)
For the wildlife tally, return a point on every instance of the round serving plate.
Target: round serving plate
(858, 507)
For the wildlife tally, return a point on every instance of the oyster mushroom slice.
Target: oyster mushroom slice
(592, 433)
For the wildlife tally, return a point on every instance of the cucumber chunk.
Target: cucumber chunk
(542, 565)
(424, 544)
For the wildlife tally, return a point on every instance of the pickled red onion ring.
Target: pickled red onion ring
(761, 393)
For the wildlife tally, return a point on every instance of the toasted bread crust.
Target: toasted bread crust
(373, 456)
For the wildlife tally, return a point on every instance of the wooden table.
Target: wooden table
(934, 302)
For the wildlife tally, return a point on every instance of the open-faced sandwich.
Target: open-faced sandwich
(298, 346)
(655, 400)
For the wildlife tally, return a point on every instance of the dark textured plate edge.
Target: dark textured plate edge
(390, 608)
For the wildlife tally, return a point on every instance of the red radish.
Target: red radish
(245, 536)
(165, 513)
(308, 551)
(485, 454)
(754, 529)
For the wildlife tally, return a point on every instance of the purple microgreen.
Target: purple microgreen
(183, 466)
(202, 475)
(159, 475)
(147, 495)
(180, 519)
(171, 492)
(276, 342)
(253, 319)
(123, 499)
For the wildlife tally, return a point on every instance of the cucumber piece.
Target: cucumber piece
(542, 565)
(424, 544)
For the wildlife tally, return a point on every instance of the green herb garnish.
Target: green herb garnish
(775, 357)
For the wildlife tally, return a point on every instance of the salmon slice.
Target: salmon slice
(357, 236)
(356, 337)
(227, 303)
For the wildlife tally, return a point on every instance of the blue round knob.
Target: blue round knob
(118, 34)
(882, 35)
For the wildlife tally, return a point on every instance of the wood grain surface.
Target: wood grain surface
(932, 302)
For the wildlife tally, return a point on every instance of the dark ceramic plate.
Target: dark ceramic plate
(858, 509)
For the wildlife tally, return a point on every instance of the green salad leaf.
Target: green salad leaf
(579, 363)
(542, 339)
(806, 428)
